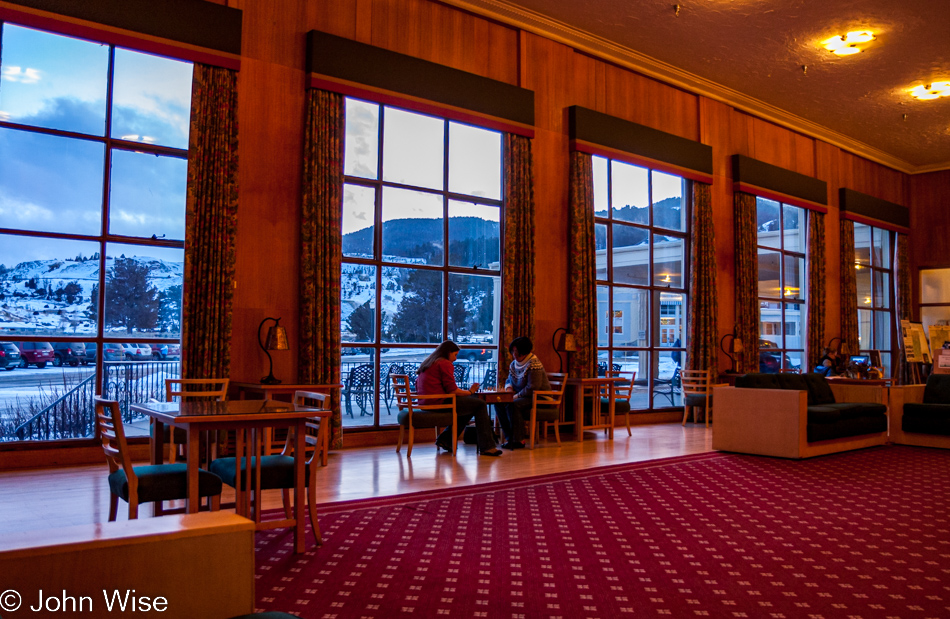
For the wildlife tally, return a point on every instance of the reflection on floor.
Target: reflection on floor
(57, 497)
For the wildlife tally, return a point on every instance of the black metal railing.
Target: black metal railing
(71, 415)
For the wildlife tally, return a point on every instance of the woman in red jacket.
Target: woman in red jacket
(437, 375)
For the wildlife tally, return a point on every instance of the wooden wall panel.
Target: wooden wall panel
(639, 99)
(827, 160)
(930, 220)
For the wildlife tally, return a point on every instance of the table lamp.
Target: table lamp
(565, 343)
(276, 340)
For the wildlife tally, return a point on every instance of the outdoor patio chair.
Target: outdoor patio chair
(360, 385)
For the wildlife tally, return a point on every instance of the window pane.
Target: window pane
(630, 193)
(474, 239)
(603, 316)
(358, 303)
(474, 161)
(148, 195)
(668, 261)
(418, 314)
(412, 226)
(770, 283)
(794, 228)
(601, 199)
(49, 183)
(672, 320)
(143, 291)
(882, 284)
(630, 319)
(631, 255)
(600, 249)
(864, 329)
(862, 244)
(668, 207)
(53, 81)
(935, 286)
(793, 360)
(413, 147)
(882, 248)
(151, 99)
(882, 330)
(792, 287)
(362, 139)
(359, 215)
(360, 381)
(886, 362)
(473, 313)
(667, 387)
(863, 278)
(794, 326)
(49, 286)
(768, 223)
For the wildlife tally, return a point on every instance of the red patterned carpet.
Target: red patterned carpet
(863, 534)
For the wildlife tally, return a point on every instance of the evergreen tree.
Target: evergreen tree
(419, 317)
(131, 301)
(169, 309)
(94, 303)
(362, 322)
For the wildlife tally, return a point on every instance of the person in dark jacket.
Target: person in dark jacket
(525, 376)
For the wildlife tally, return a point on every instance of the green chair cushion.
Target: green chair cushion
(276, 471)
(163, 482)
(697, 400)
(425, 419)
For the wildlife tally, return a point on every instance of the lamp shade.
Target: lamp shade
(277, 338)
(567, 343)
(736, 345)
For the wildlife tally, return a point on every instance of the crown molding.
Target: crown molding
(600, 47)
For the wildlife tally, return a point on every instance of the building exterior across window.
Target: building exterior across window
(874, 274)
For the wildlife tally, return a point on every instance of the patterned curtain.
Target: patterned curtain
(747, 283)
(849, 288)
(816, 289)
(703, 304)
(582, 298)
(517, 276)
(321, 248)
(900, 370)
(210, 224)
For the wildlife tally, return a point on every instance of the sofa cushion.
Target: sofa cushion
(795, 382)
(846, 428)
(758, 381)
(823, 414)
(853, 410)
(928, 411)
(819, 391)
(939, 426)
(937, 390)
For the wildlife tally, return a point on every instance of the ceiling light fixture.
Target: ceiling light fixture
(848, 44)
(934, 90)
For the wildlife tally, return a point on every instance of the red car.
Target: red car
(35, 353)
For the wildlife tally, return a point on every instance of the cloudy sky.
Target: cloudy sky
(51, 183)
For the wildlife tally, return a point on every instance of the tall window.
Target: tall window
(873, 264)
(93, 172)
(422, 214)
(781, 231)
(641, 227)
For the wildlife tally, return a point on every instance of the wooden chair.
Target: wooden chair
(276, 472)
(414, 413)
(318, 428)
(697, 391)
(190, 388)
(144, 484)
(623, 391)
(546, 408)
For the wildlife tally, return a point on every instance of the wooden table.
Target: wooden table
(495, 397)
(241, 416)
(267, 392)
(580, 386)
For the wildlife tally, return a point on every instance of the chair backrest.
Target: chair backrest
(461, 371)
(111, 433)
(491, 378)
(360, 378)
(623, 389)
(183, 388)
(555, 396)
(406, 399)
(310, 399)
(696, 382)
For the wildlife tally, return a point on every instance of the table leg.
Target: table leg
(613, 409)
(194, 500)
(579, 413)
(239, 494)
(300, 457)
(158, 442)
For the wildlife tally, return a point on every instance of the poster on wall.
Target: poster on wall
(916, 347)
(939, 337)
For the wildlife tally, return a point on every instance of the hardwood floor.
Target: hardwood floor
(52, 498)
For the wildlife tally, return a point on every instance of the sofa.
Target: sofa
(920, 414)
(798, 416)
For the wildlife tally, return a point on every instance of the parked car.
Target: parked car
(110, 352)
(35, 353)
(137, 352)
(69, 353)
(769, 360)
(166, 352)
(9, 355)
(482, 354)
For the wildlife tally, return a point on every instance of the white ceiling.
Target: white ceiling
(751, 53)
